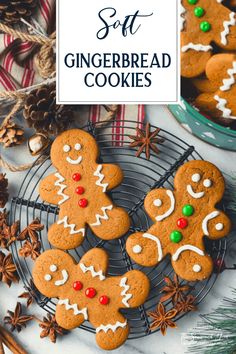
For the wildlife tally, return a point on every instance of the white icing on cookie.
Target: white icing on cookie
(158, 243)
(170, 210)
(73, 231)
(197, 47)
(65, 277)
(66, 148)
(102, 217)
(100, 176)
(186, 248)
(92, 271)
(126, 296)
(74, 161)
(48, 277)
(53, 268)
(157, 202)
(182, 19)
(209, 217)
(137, 249)
(77, 147)
(197, 268)
(193, 194)
(196, 177)
(227, 24)
(227, 83)
(62, 186)
(222, 107)
(207, 183)
(219, 226)
(113, 327)
(74, 307)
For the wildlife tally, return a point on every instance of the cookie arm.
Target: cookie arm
(216, 225)
(95, 261)
(52, 189)
(160, 204)
(108, 176)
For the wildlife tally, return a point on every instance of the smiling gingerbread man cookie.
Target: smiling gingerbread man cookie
(203, 24)
(85, 292)
(182, 218)
(79, 188)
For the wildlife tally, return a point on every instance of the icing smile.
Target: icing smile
(193, 194)
(74, 162)
(64, 279)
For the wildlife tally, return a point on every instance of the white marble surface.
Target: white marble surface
(80, 341)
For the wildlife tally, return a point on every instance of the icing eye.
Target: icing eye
(53, 268)
(219, 226)
(157, 202)
(77, 147)
(48, 277)
(66, 148)
(196, 177)
(137, 249)
(197, 268)
(207, 183)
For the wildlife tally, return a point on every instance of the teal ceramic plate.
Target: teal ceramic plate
(202, 127)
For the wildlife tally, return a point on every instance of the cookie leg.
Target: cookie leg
(110, 223)
(192, 266)
(145, 249)
(65, 234)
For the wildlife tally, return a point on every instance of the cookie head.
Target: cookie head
(52, 271)
(72, 148)
(201, 180)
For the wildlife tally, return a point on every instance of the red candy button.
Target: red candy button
(182, 223)
(104, 300)
(77, 285)
(83, 203)
(76, 177)
(90, 292)
(79, 190)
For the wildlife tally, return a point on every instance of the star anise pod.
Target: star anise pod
(146, 141)
(31, 231)
(163, 318)
(50, 328)
(186, 305)
(17, 320)
(8, 234)
(8, 272)
(3, 190)
(3, 217)
(30, 249)
(29, 295)
(173, 290)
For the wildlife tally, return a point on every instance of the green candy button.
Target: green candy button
(188, 210)
(176, 236)
(205, 26)
(192, 2)
(199, 11)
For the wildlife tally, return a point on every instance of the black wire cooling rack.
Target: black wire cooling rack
(140, 176)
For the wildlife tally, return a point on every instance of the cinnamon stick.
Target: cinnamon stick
(1, 348)
(7, 338)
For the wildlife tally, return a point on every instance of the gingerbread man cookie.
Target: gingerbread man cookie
(182, 218)
(86, 293)
(79, 188)
(219, 89)
(203, 24)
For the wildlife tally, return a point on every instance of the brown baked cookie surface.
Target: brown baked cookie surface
(181, 219)
(204, 23)
(85, 292)
(79, 187)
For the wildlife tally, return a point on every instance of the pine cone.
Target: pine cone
(3, 190)
(43, 114)
(11, 134)
(11, 11)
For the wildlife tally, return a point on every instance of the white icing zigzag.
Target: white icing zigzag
(222, 107)
(198, 47)
(92, 271)
(182, 19)
(59, 184)
(101, 176)
(74, 307)
(73, 231)
(102, 217)
(114, 327)
(226, 25)
(123, 293)
(158, 242)
(231, 80)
